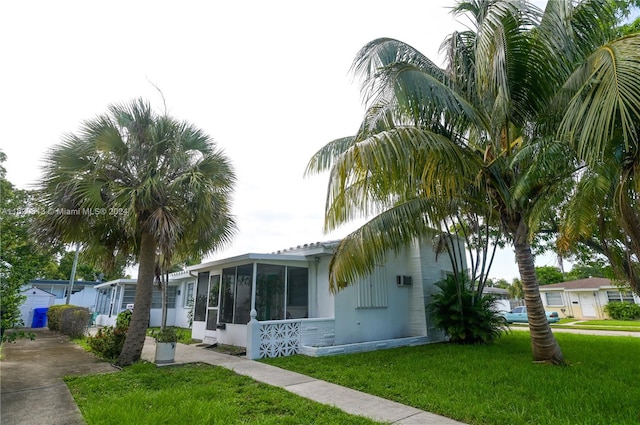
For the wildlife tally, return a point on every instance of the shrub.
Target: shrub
(467, 319)
(622, 310)
(54, 316)
(123, 319)
(74, 321)
(108, 342)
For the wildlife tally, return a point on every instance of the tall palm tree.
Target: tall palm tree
(602, 121)
(479, 132)
(132, 182)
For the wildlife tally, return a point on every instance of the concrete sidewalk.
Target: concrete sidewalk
(351, 401)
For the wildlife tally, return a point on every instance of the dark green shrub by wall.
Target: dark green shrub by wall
(74, 321)
(622, 311)
(466, 318)
(54, 316)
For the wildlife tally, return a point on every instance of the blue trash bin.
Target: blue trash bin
(39, 317)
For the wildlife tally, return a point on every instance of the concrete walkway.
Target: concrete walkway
(32, 391)
(351, 401)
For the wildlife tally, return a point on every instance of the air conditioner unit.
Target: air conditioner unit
(403, 280)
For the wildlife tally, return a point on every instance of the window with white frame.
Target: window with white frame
(620, 296)
(188, 294)
(554, 298)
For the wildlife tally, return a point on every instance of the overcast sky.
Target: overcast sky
(268, 80)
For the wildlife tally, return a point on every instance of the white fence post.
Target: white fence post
(253, 336)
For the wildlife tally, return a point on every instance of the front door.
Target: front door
(588, 304)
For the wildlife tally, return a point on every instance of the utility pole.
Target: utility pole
(73, 273)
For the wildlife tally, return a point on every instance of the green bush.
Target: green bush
(74, 321)
(464, 317)
(54, 316)
(108, 341)
(622, 310)
(123, 319)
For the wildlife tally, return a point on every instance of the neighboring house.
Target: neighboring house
(584, 298)
(280, 303)
(501, 297)
(83, 293)
(116, 295)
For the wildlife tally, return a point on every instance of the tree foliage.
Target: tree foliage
(488, 133)
(133, 183)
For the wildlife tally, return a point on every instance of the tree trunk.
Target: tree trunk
(543, 344)
(142, 304)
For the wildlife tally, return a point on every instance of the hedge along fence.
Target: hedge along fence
(71, 320)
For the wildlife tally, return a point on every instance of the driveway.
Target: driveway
(32, 389)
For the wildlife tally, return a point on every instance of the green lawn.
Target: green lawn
(497, 384)
(194, 394)
(611, 323)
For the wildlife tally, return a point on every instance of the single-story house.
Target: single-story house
(117, 295)
(584, 298)
(83, 293)
(280, 303)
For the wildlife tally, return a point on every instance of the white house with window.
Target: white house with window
(584, 298)
(117, 295)
(280, 303)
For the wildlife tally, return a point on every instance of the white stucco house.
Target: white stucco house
(280, 304)
(584, 298)
(83, 293)
(116, 295)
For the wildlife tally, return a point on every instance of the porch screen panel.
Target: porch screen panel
(129, 296)
(244, 279)
(214, 291)
(297, 292)
(227, 295)
(270, 292)
(371, 291)
(200, 310)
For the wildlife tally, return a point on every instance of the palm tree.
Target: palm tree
(132, 182)
(478, 133)
(602, 121)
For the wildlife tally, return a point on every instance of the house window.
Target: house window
(156, 299)
(371, 291)
(554, 298)
(188, 294)
(620, 296)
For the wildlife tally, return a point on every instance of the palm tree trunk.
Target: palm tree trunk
(543, 344)
(144, 290)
